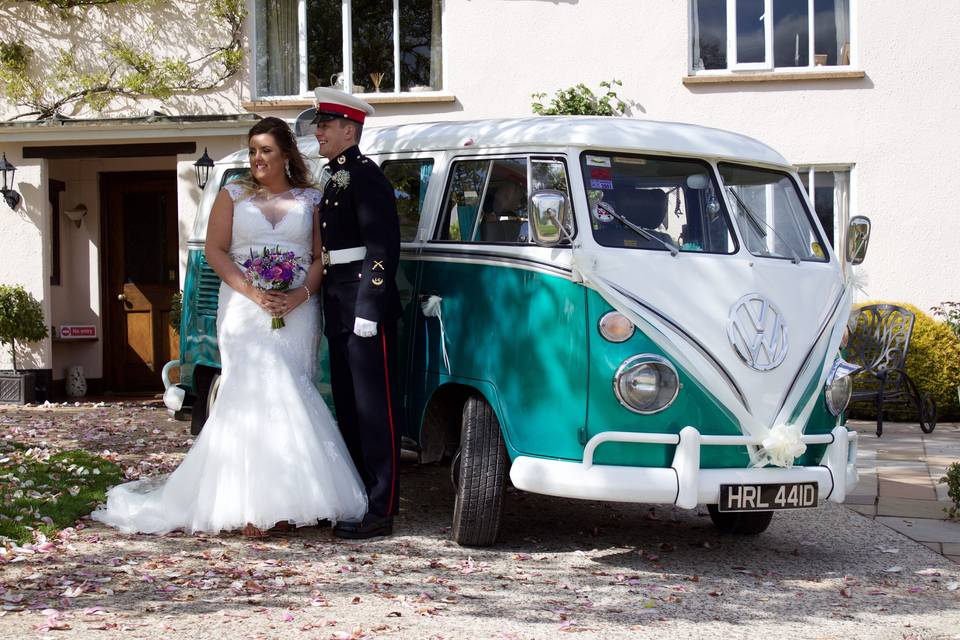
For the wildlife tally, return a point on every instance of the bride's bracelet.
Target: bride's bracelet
(307, 289)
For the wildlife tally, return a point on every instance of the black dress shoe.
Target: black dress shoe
(370, 527)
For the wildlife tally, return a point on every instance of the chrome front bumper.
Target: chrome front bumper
(683, 483)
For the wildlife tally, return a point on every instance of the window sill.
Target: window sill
(787, 76)
(371, 98)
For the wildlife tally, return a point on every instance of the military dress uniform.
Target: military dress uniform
(360, 232)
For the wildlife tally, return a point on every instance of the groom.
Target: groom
(360, 232)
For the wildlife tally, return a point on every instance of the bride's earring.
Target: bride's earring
(286, 168)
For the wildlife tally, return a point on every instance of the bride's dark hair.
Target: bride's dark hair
(287, 142)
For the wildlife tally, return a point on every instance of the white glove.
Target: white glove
(364, 328)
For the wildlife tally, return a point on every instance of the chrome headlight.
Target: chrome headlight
(616, 327)
(839, 386)
(646, 384)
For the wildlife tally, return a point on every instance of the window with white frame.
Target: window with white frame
(829, 190)
(742, 35)
(360, 46)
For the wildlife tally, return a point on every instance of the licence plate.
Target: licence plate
(767, 497)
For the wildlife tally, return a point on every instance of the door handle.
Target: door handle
(122, 297)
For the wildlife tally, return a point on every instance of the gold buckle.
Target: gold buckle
(325, 257)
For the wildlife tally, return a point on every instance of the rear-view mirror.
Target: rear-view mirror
(858, 238)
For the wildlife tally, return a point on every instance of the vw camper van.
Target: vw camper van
(601, 308)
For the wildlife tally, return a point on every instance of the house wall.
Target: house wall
(24, 248)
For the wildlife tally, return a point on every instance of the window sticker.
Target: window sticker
(601, 174)
(601, 184)
(598, 161)
(625, 160)
(603, 212)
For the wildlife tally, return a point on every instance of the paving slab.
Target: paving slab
(863, 509)
(908, 490)
(861, 498)
(923, 529)
(936, 546)
(951, 548)
(910, 508)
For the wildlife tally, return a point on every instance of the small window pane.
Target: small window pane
(791, 33)
(712, 29)
(421, 68)
(750, 31)
(831, 26)
(504, 206)
(278, 48)
(372, 45)
(410, 179)
(550, 174)
(463, 199)
(324, 42)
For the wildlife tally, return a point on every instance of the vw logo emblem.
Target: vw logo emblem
(757, 332)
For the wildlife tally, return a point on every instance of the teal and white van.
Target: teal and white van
(601, 308)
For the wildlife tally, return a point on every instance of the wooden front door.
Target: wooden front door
(139, 222)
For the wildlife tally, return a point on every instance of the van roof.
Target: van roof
(625, 134)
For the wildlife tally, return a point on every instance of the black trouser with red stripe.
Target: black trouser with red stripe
(365, 398)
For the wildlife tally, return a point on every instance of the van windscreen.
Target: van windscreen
(662, 204)
(770, 213)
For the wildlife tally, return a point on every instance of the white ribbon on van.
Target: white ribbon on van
(781, 442)
(432, 309)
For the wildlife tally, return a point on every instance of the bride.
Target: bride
(270, 454)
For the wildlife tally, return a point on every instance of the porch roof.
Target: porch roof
(156, 126)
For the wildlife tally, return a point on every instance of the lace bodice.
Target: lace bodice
(284, 220)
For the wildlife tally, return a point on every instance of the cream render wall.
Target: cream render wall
(24, 249)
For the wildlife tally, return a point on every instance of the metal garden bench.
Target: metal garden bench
(878, 343)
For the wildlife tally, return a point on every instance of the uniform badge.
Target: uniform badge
(377, 282)
(341, 179)
(377, 264)
(342, 160)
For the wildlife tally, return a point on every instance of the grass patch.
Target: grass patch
(45, 492)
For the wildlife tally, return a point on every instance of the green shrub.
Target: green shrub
(176, 310)
(952, 478)
(933, 363)
(949, 312)
(579, 100)
(21, 319)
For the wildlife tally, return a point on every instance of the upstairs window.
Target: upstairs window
(359, 46)
(742, 35)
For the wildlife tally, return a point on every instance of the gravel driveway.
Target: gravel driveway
(562, 566)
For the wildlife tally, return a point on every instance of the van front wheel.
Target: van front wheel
(480, 475)
(748, 523)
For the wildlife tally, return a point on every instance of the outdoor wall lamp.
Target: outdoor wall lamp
(203, 167)
(9, 195)
(76, 214)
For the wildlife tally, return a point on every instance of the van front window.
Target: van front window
(661, 204)
(770, 214)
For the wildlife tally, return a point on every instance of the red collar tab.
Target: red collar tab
(331, 107)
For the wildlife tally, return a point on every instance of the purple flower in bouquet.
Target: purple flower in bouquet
(272, 270)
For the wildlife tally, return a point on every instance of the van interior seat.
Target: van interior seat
(646, 208)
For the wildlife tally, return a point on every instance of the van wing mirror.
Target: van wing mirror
(858, 237)
(549, 211)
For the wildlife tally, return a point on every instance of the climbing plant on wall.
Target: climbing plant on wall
(101, 51)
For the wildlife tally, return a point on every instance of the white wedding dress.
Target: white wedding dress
(270, 450)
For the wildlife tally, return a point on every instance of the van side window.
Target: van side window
(232, 175)
(487, 202)
(463, 199)
(410, 179)
(551, 174)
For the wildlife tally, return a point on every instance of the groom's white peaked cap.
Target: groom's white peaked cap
(333, 104)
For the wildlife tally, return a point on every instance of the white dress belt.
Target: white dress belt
(343, 256)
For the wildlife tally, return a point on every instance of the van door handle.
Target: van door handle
(122, 297)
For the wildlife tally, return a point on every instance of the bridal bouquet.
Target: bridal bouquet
(272, 270)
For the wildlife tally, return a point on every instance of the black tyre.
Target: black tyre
(928, 414)
(480, 475)
(748, 523)
(207, 382)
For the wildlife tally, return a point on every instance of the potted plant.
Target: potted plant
(21, 320)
